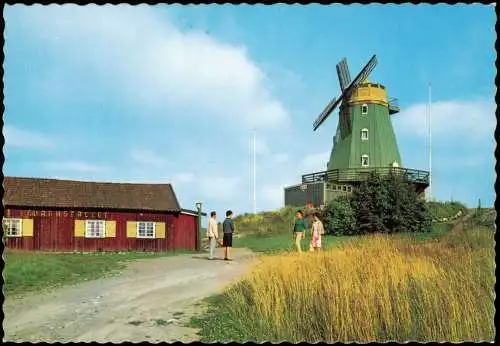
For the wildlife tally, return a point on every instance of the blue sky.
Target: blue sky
(171, 93)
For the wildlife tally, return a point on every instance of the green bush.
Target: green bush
(379, 205)
(339, 218)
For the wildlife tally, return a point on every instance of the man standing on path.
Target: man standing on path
(228, 229)
(213, 234)
(299, 230)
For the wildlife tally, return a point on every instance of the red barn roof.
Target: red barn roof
(37, 192)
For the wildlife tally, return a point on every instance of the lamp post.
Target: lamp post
(198, 207)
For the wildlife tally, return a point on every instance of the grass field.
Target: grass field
(434, 287)
(32, 271)
(284, 242)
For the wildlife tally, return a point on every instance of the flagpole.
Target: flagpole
(254, 175)
(430, 144)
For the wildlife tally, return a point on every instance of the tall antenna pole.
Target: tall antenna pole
(430, 145)
(254, 174)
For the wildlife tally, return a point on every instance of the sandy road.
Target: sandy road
(149, 301)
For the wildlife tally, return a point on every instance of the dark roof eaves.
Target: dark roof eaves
(112, 209)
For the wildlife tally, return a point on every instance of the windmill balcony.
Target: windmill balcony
(355, 175)
(393, 106)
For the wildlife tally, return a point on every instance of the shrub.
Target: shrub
(389, 205)
(338, 217)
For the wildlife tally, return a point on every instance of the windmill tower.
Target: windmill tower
(365, 137)
(364, 141)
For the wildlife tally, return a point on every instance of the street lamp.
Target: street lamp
(198, 207)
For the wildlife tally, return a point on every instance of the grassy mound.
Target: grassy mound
(446, 211)
(483, 218)
(277, 222)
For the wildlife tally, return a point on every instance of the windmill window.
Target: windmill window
(364, 134)
(364, 109)
(365, 161)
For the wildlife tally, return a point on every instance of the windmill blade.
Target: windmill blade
(326, 112)
(343, 74)
(365, 72)
(348, 90)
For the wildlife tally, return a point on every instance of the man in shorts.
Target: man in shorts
(228, 229)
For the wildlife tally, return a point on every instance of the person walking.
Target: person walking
(317, 232)
(213, 234)
(299, 229)
(228, 229)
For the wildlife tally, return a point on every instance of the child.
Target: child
(317, 232)
(299, 230)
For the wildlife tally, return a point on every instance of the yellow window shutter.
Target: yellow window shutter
(131, 229)
(79, 228)
(110, 229)
(27, 225)
(160, 230)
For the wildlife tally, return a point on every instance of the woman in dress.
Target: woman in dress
(317, 232)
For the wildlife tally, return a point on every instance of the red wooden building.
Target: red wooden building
(65, 215)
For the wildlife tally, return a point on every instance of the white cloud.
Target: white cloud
(147, 157)
(75, 166)
(273, 197)
(261, 146)
(220, 188)
(155, 63)
(315, 162)
(467, 120)
(281, 158)
(183, 178)
(26, 139)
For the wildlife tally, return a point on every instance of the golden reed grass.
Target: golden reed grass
(375, 289)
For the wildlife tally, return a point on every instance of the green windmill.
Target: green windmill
(364, 141)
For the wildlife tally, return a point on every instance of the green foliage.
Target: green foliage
(387, 205)
(267, 223)
(483, 218)
(338, 217)
(446, 211)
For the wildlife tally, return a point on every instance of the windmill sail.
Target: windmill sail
(347, 89)
(343, 74)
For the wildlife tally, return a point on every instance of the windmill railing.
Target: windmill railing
(352, 175)
(393, 105)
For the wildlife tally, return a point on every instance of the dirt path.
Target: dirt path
(149, 301)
